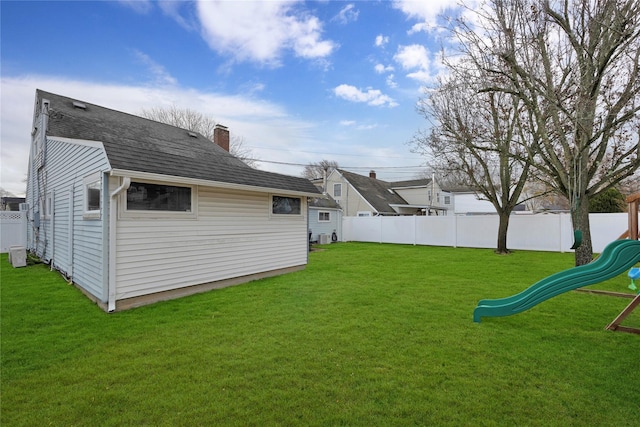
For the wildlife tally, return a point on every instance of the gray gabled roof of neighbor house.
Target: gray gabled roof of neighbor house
(423, 182)
(379, 194)
(133, 143)
(326, 202)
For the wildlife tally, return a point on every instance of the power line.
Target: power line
(341, 167)
(325, 154)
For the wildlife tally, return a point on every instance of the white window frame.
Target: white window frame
(46, 206)
(447, 200)
(285, 215)
(328, 213)
(86, 182)
(125, 212)
(339, 186)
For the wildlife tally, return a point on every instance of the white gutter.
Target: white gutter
(148, 176)
(113, 214)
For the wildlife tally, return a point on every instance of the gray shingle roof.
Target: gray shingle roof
(137, 144)
(377, 192)
(411, 183)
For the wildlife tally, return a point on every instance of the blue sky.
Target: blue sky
(299, 82)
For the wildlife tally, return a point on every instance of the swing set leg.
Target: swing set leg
(615, 325)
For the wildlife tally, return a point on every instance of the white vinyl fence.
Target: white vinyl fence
(13, 230)
(541, 232)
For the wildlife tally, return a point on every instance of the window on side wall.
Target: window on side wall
(281, 205)
(337, 190)
(46, 206)
(92, 196)
(144, 196)
(324, 216)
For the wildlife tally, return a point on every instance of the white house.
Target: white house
(360, 195)
(134, 211)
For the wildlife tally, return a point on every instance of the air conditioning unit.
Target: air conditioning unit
(324, 239)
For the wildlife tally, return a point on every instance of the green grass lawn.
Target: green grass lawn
(367, 335)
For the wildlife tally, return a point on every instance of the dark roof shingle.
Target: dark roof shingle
(377, 192)
(137, 144)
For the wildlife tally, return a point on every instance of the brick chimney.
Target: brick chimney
(221, 136)
(372, 174)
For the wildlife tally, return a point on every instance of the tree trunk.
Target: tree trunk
(580, 219)
(503, 226)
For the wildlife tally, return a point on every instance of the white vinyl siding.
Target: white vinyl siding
(234, 235)
(77, 250)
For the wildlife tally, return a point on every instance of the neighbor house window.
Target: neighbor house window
(92, 196)
(337, 190)
(447, 200)
(143, 196)
(324, 216)
(286, 205)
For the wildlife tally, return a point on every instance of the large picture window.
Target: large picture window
(286, 205)
(143, 196)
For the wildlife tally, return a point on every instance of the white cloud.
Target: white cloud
(425, 11)
(140, 6)
(262, 31)
(391, 82)
(381, 40)
(414, 58)
(353, 124)
(173, 8)
(381, 69)
(161, 75)
(347, 14)
(262, 124)
(372, 97)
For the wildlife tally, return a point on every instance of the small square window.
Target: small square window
(324, 216)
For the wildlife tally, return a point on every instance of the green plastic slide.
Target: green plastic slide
(615, 259)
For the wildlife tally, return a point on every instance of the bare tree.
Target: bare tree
(320, 169)
(574, 66)
(195, 121)
(477, 138)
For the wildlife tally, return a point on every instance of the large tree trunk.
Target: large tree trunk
(503, 226)
(580, 219)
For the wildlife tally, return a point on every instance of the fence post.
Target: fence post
(455, 230)
(561, 219)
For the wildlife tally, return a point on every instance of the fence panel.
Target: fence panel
(13, 230)
(543, 232)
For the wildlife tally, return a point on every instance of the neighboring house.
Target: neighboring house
(360, 195)
(467, 201)
(325, 218)
(11, 203)
(134, 211)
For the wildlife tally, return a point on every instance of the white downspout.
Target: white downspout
(113, 214)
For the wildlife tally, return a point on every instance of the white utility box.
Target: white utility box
(18, 256)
